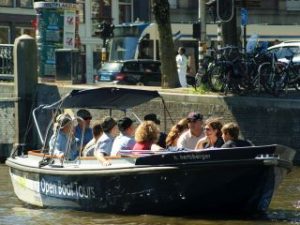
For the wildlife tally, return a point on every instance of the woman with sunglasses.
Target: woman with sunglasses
(213, 135)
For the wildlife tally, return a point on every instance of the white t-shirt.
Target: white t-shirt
(187, 140)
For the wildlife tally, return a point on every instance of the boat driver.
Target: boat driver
(63, 143)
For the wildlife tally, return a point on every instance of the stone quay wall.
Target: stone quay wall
(263, 120)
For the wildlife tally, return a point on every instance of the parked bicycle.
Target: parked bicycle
(280, 76)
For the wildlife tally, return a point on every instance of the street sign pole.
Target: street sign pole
(202, 38)
(245, 37)
(244, 21)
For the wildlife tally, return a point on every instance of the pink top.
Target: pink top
(142, 146)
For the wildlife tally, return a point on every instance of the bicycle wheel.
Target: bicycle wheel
(294, 78)
(280, 83)
(266, 74)
(216, 78)
(198, 80)
(273, 79)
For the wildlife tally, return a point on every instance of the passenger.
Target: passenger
(83, 127)
(213, 135)
(125, 140)
(105, 142)
(146, 136)
(90, 146)
(176, 131)
(231, 136)
(162, 135)
(189, 138)
(63, 143)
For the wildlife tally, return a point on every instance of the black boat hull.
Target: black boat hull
(185, 189)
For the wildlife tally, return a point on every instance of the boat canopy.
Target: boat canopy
(104, 98)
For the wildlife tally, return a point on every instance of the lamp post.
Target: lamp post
(202, 38)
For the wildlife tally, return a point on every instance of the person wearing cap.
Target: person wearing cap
(189, 138)
(105, 142)
(90, 146)
(62, 143)
(125, 140)
(83, 131)
(162, 135)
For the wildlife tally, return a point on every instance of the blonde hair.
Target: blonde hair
(147, 131)
(176, 131)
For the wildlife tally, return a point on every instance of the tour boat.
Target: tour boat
(174, 181)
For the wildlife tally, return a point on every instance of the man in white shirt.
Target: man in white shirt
(190, 138)
(105, 142)
(182, 63)
(125, 140)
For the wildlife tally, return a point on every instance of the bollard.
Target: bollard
(25, 72)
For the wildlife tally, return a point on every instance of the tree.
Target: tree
(161, 11)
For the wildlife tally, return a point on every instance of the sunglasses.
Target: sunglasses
(207, 129)
(87, 118)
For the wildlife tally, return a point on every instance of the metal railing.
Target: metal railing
(6, 62)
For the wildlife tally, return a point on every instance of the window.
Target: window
(26, 4)
(80, 9)
(4, 35)
(8, 3)
(125, 11)
(287, 51)
(131, 67)
(25, 30)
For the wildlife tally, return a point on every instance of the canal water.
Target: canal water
(284, 209)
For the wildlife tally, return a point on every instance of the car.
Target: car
(132, 72)
(286, 49)
(109, 71)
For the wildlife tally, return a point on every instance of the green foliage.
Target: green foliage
(202, 89)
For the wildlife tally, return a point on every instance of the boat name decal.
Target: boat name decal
(192, 157)
(69, 190)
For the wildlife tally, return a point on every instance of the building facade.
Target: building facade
(16, 17)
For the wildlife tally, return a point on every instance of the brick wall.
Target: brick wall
(7, 119)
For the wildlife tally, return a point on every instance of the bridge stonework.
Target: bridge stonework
(265, 120)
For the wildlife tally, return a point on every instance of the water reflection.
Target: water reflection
(284, 209)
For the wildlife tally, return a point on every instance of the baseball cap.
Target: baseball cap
(152, 117)
(193, 116)
(124, 123)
